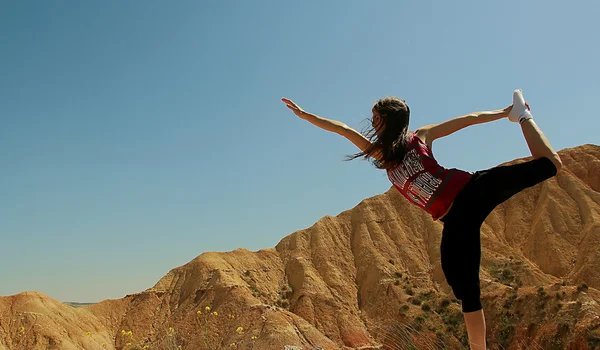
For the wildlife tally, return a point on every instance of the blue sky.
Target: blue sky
(137, 135)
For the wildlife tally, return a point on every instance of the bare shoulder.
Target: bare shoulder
(423, 134)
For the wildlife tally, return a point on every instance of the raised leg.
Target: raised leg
(538, 143)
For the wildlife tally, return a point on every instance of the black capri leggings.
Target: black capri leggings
(461, 244)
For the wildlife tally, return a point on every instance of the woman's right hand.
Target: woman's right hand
(509, 108)
(294, 107)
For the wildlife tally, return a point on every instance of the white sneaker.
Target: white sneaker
(519, 111)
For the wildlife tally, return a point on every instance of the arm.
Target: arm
(339, 128)
(331, 125)
(429, 133)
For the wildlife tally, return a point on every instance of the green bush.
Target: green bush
(506, 328)
(506, 273)
(582, 287)
(415, 300)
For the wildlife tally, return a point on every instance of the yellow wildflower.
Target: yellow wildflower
(103, 345)
(208, 308)
(215, 313)
(88, 333)
(22, 330)
(199, 312)
(254, 337)
(171, 330)
(240, 330)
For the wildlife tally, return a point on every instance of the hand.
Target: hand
(294, 107)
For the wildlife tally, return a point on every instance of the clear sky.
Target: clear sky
(136, 135)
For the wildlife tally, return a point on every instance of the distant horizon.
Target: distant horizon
(138, 135)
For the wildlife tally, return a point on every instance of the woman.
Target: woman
(461, 200)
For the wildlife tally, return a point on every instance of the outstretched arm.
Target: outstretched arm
(330, 125)
(429, 133)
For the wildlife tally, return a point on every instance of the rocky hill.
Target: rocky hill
(368, 278)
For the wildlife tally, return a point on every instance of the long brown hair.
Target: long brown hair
(390, 143)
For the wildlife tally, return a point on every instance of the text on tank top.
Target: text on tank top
(424, 182)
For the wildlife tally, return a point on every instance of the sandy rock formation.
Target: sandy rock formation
(367, 278)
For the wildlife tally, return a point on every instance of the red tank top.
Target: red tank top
(424, 182)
